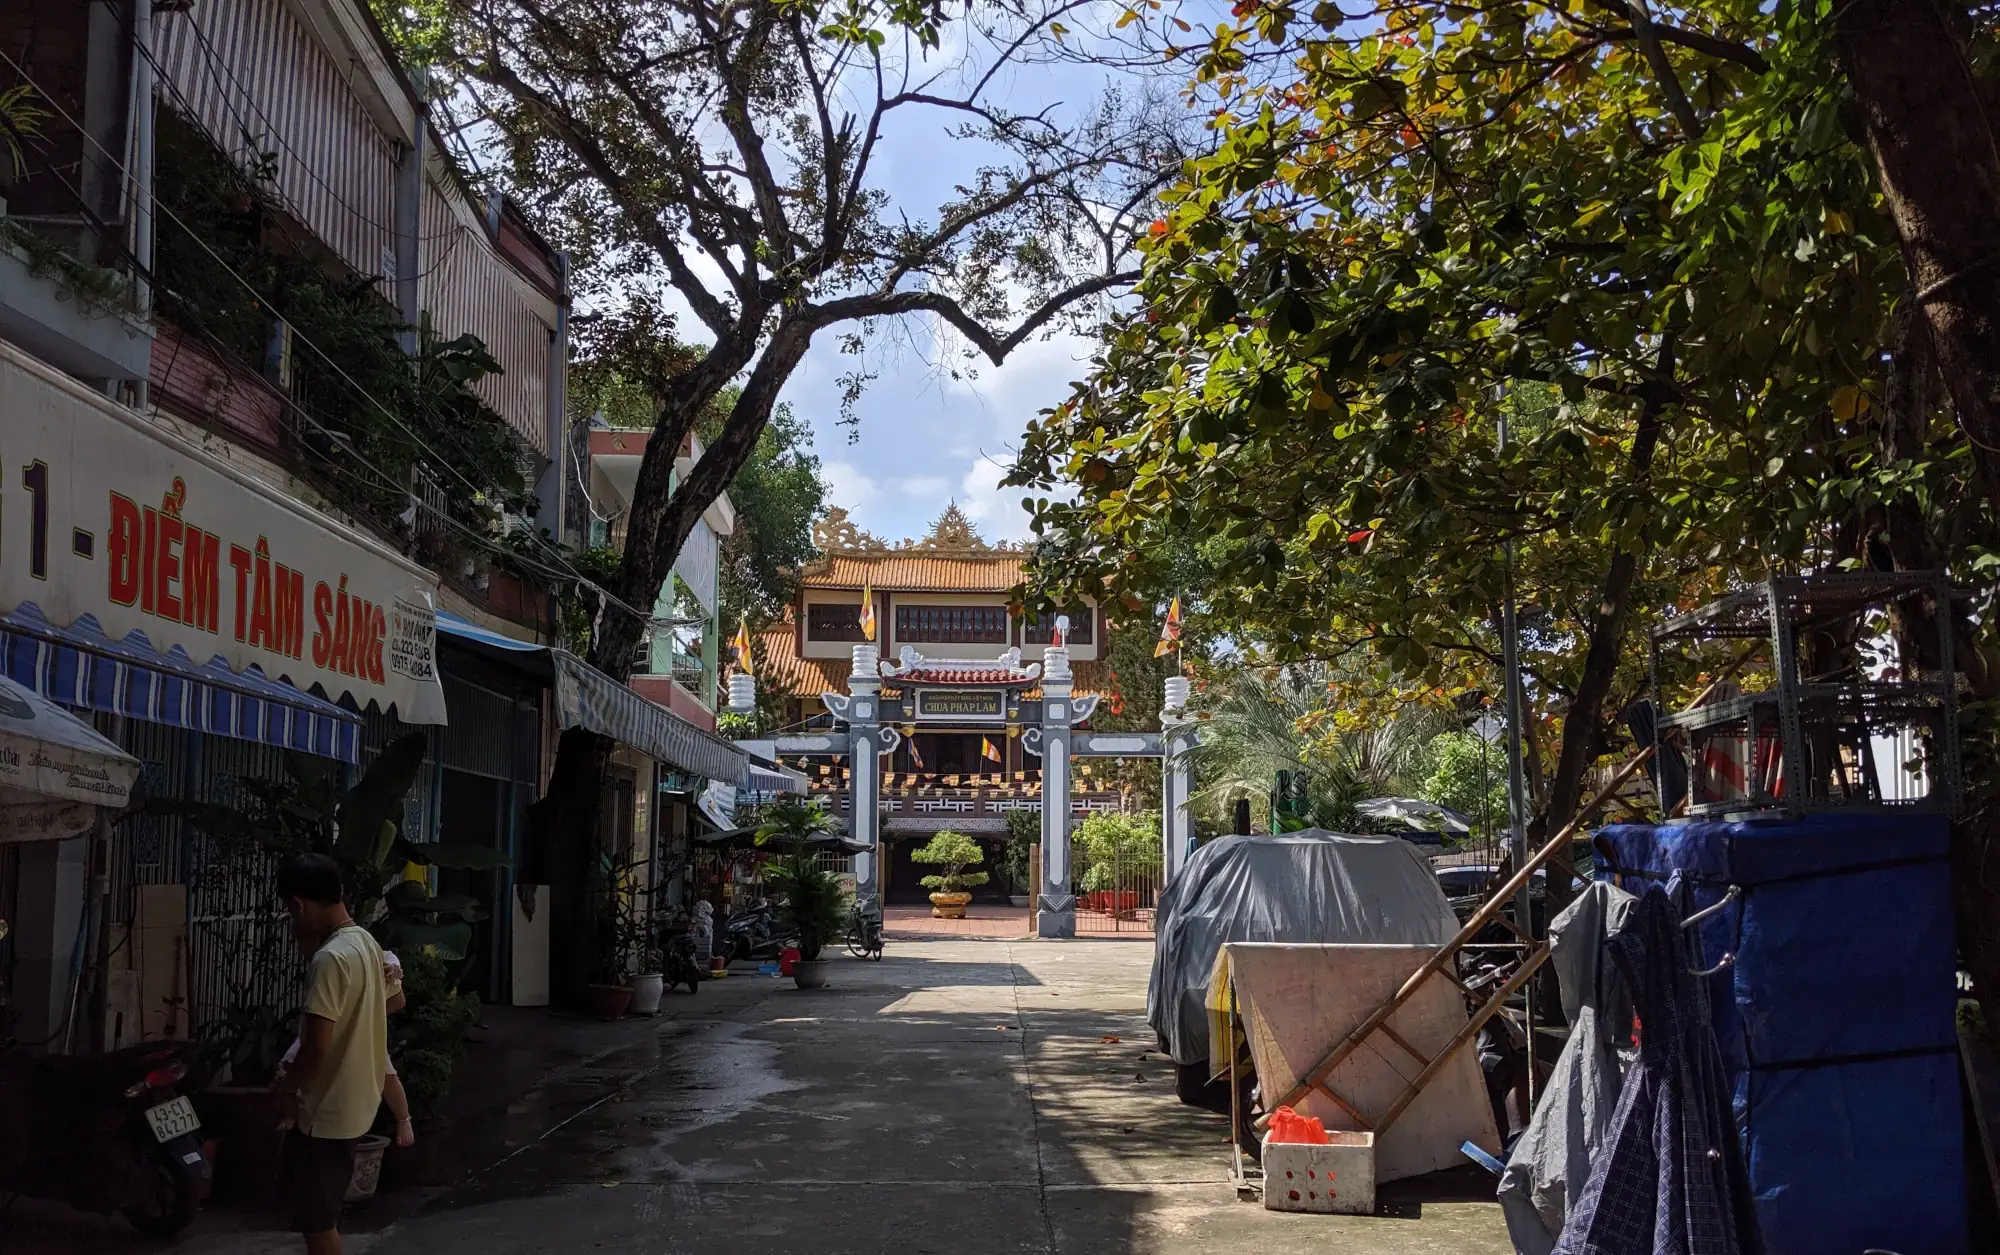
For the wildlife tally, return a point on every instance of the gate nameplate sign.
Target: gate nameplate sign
(962, 704)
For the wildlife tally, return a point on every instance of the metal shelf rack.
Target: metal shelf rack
(1808, 744)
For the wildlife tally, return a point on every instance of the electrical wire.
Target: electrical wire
(565, 572)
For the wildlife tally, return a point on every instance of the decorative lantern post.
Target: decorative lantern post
(1056, 913)
(1177, 734)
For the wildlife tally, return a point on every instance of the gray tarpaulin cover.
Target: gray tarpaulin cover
(1311, 886)
(1550, 1164)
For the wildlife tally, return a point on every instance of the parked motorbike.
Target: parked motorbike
(105, 1133)
(754, 932)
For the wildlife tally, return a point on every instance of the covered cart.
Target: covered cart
(1311, 886)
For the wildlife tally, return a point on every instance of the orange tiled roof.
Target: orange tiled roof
(917, 572)
(809, 677)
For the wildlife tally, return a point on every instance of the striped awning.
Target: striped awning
(79, 666)
(588, 698)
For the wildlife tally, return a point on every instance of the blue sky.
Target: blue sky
(926, 438)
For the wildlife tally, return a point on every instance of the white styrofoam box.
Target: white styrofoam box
(1338, 1177)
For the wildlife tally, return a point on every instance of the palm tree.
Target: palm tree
(1265, 720)
(808, 895)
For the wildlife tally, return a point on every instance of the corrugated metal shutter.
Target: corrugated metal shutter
(468, 288)
(695, 564)
(246, 72)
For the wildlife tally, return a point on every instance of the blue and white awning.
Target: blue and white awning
(79, 666)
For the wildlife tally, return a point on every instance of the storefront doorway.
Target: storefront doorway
(472, 810)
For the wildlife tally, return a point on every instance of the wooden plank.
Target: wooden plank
(1448, 952)
(1982, 1083)
(1344, 1105)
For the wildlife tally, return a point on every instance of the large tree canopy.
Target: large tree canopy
(727, 151)
(1646, 241)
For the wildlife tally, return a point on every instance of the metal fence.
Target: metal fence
(240, 955)
(1116, 889)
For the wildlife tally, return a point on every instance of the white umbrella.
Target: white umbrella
(1414, 811)
(55, 769)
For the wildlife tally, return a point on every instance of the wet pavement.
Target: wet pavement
(970, 1097)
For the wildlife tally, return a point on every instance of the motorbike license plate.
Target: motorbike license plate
(172, 1119)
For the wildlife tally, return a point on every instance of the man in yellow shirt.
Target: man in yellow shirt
(336, 1081)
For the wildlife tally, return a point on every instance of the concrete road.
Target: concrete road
(962, 1097)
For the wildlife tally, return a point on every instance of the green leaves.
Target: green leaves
(375, 800)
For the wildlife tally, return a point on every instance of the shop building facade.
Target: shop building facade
(202, 547)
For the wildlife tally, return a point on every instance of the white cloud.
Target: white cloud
(851, 488)
(995, 510)
(930, 487)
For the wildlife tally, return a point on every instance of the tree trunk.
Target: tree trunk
(1583, 720)
(563, 824)
(1940, 172)
(1906, 542)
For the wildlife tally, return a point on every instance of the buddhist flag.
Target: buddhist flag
(742, 645)
(988, 750)
(916, 759)
(868, 610)
(1170, 631)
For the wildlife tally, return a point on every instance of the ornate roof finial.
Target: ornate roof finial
(954, 531)
(836, 533)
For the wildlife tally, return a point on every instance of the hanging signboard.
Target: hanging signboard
(104, 514)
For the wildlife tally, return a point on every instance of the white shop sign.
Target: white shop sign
(103, 513)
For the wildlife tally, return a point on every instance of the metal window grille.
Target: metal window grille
(1082, 628)
(952, 625)
(833, 621)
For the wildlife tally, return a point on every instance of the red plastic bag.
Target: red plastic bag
(1288, 1125)
(787, 959)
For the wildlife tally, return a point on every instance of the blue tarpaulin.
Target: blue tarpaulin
(1836, 1020)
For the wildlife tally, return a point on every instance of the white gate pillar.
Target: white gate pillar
(1056, 913)
(861, 709)
(1177, 734)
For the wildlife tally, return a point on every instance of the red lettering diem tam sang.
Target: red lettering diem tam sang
(170, 568)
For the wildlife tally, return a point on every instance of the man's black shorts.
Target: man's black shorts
(313, 1176)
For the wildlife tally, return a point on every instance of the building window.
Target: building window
(952, 625)
(1082, 627)
(834, 621)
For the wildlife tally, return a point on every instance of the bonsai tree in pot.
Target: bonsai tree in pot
(954, 852)
(808, 896)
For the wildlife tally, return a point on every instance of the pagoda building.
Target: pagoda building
(942, 620)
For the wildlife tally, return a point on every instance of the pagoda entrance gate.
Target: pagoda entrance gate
(979, 693)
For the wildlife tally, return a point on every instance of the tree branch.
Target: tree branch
(996, 348)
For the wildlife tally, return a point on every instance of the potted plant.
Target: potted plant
(954, 852)
(1024, 829)
(810, 899)
(427, 1045)
(642, 944)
